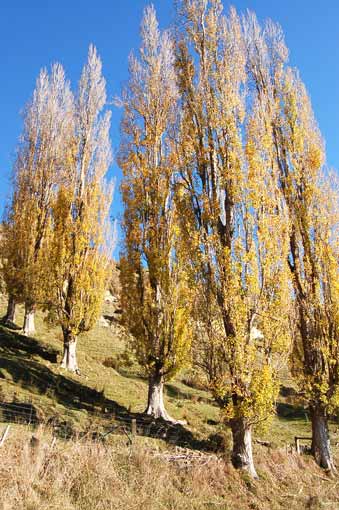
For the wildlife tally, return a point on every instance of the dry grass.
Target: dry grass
(27, 374)
(86, 475)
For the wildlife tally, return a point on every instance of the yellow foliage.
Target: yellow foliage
(236, 229)
(156, 296)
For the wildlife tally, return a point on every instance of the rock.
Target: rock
(109, 298)
(104, 322)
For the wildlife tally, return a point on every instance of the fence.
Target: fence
(114, 419)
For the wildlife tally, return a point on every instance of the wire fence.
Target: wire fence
(113, 419)
(25, 414)
(32, 411)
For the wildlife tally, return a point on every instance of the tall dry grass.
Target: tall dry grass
(87, 475)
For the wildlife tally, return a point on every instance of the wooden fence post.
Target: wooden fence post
(4, 435)
(134, 427)
(297, 440)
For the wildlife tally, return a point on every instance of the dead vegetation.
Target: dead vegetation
(81, 474)
(151, 471)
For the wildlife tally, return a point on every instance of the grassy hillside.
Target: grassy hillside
(87, 475)
(122, 472)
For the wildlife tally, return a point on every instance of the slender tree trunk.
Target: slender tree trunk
(242, 456)
(69, 360)
(10, 314)
(321, 448)
(155, 402)
(29, 325)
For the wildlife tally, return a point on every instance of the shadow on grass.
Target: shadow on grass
(113, 319)
(291, 412)
(16, 353)
(17, 344)
(9, 324)
(173, 391)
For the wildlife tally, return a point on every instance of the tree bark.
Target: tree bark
(10, 314)
(155, 401)
(69, 360)
(29, 325)
(242, 456)
(321, 448)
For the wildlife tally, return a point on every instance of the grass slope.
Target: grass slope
(33, 388)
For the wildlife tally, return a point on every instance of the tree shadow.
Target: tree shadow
(173, 391)
(291, 412)
(16, 360)
(115, 318)
(9, 324)
(19, 344)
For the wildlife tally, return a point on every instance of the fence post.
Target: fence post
(296, 440)
(134, 427)
(30, 410)
(4, 435)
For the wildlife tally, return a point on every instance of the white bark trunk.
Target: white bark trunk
(69, 360)
(155, 403)
(242, 455)
(10, 314)
(29, 324)
(321, 448)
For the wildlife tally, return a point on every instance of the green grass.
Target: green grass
(35, 390)
(30, 371)
(102, 396)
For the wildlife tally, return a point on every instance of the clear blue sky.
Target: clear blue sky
(35, 33)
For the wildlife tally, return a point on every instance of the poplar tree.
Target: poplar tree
(312, 203)
(8, 254)
(155, 295)
(80, 241)
(36, 174)
(235, 225)
(313, 261)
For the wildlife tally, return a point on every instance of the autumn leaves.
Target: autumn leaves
(222, 161)
(230, 255)
(56, 246)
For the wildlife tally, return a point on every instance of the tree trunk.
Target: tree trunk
(155, 402)
(10, 314)
(321, 448)
(29, 326)
(242, 456)
(69, 360)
